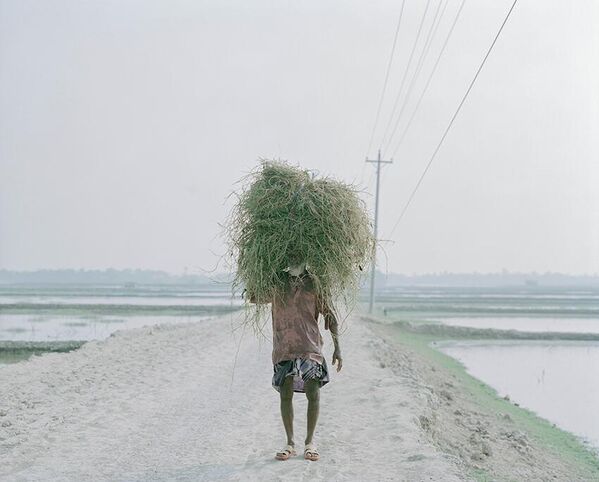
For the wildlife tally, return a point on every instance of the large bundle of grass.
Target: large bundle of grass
(283, 217)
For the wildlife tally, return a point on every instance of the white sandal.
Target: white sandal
(310, 453)
(284, 454)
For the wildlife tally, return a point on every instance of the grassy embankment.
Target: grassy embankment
(561, 443)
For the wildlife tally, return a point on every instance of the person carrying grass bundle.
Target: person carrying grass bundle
(298, 362)
(299, 243)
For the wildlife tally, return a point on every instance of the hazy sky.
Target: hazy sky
(125, 124)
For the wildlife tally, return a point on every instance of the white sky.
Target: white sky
(125, 124)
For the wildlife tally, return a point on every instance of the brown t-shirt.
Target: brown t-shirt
(295, 325)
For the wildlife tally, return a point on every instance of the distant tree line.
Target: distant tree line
(503, 278)
(108, 276)
(384, 280)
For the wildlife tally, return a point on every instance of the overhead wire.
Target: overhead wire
(399, 92)
(428, 81)
(389, 64)
(432, 158)
(419, 64)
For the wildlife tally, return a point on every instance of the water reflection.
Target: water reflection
(62, 328)
(557, 380)
(204, 299)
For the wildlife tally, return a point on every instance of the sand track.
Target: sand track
(166, 403)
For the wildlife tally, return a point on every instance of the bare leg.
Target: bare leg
(313, 395)
(287, 408)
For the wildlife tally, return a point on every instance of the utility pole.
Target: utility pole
(378, 163)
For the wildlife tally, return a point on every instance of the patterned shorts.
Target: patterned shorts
(301, 370)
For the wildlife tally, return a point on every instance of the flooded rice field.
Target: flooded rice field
(49, 316)
(168, 299)
(530, 324)
(528, 302)
(558, 380)
(27, 327)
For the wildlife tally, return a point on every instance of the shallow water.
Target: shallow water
(63, 328)
(61, 313)
(557, 380)
(548, 302)
(207, 299)
(532, 324)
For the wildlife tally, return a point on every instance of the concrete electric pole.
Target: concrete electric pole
(378, 163)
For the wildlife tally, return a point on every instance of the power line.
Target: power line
(451, 121)
(378, 111)
(423, 55)
(405, 73)
(430, 77)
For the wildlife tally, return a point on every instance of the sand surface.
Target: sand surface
(194, 402)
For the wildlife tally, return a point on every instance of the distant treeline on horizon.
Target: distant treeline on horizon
(154, 277)
(107, 276)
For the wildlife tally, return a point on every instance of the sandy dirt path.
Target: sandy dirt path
(176, 403)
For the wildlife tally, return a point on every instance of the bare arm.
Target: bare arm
(331, 324)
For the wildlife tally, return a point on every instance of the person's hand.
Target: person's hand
(337, 358)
